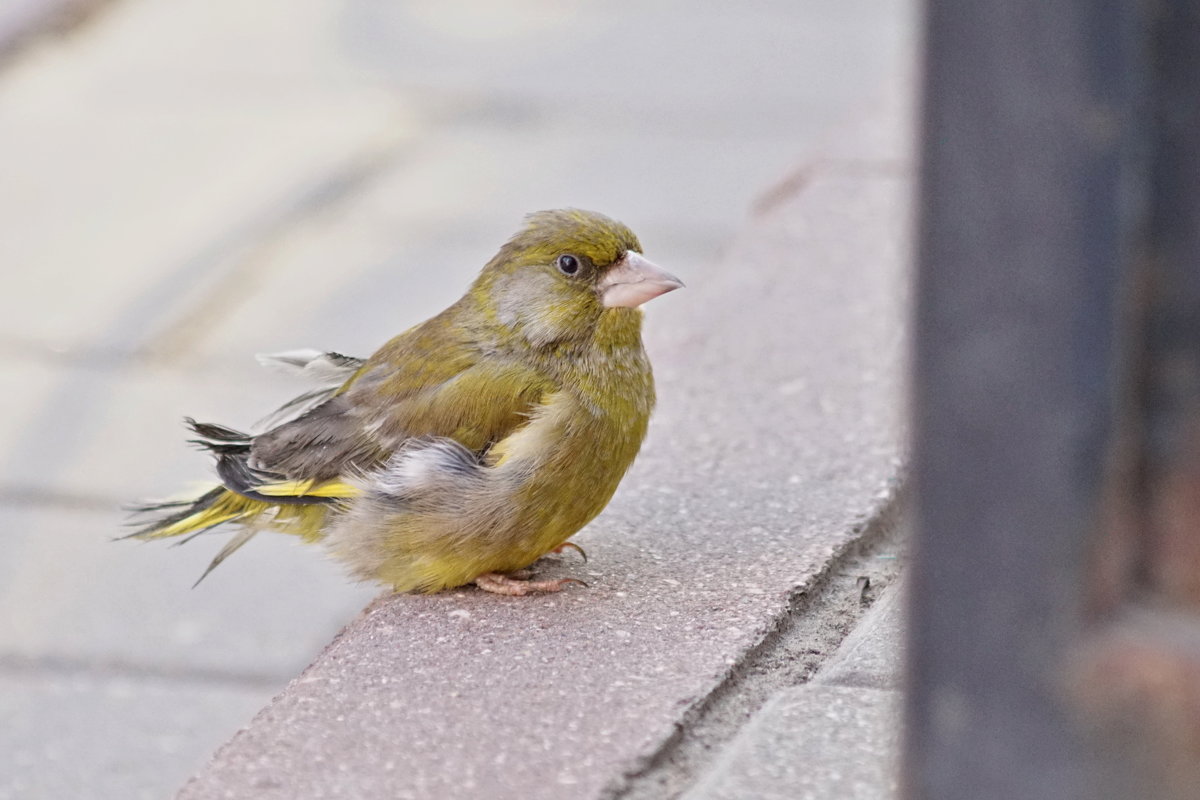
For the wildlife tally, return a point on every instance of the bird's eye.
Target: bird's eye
(568, 264)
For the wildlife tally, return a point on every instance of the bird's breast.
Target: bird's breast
(576, 448)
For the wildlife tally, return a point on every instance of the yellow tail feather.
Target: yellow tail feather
(215, 509)
(220, 505)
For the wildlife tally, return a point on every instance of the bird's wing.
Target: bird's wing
(422, 384)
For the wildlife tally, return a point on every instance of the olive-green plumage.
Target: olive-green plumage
(471, 444)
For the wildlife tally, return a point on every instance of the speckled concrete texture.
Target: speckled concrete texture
(777, 439)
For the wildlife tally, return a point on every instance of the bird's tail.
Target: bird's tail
(235, 501)
(190, 518)
(247, 496)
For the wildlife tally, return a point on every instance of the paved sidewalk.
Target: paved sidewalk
(190, 182)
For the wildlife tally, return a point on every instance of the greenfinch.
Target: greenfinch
(467, 447)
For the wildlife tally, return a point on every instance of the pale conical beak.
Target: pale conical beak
(633, 280)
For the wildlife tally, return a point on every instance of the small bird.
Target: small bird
(467, 447)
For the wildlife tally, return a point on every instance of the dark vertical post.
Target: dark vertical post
(1055, 645)
(1172, 267)
(1136, 680)
(1029, 210)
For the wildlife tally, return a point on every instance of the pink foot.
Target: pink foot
(516, 587)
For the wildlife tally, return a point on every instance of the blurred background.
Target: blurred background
(189, 182)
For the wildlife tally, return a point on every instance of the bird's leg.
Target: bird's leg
(572, 546)
(512, 586)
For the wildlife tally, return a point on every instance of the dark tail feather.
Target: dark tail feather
(219, 439)
(232, 449)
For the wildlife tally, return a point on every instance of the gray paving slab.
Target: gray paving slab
(136, 157)
(70, 596)
(811, 743)
(778, 437)
(872, 656)
(880, 133)
(745, 72)
(76, 735)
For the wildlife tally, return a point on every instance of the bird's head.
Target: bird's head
(562, 271)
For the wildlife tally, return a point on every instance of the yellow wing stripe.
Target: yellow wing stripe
(308, 488)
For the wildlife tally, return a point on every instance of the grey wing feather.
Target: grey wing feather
(314, 365)
(327, 371)
(320, 444)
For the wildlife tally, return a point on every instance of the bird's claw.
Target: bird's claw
(565, 545)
